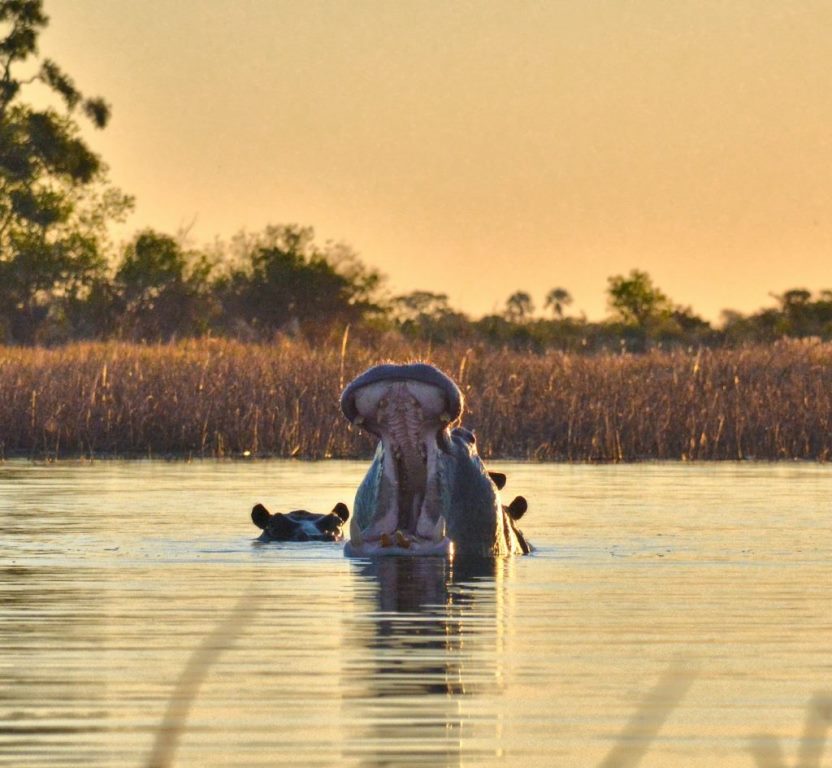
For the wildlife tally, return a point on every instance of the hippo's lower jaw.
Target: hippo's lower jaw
(444, 548)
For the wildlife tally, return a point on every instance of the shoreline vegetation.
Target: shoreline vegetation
(216, 398)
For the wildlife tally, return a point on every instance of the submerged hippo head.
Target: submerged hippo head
(300, 525)
(426, 492)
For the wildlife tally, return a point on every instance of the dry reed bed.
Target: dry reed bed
(221, 398)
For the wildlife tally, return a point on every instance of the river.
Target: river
(671, 614)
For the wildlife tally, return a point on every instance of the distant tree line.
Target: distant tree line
(62, 279)
(641, 317)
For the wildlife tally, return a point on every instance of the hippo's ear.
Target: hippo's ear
(499, 479)
(260, 516)
(517, 508)
(342, 511)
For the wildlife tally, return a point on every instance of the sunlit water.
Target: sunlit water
(713, 582)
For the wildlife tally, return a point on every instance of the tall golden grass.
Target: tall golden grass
(224, 398)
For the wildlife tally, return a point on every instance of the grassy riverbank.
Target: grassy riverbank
(222, 398)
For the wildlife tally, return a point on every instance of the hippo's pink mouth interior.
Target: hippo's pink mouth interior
(410, 417)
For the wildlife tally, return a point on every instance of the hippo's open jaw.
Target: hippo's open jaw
(409, 409)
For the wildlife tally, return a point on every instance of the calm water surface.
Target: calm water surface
(709, 585)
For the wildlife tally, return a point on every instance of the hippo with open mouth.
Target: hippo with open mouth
(427, 491)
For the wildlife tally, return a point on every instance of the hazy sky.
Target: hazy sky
(478, 148)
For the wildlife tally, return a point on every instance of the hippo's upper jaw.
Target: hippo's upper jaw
(426, 492)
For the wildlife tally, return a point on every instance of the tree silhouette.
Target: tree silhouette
(413, 306)
(429, 316)
(286, 282)
(635, 299)
(163, 291)
(52, 217)
(519, 307)
(557, 299)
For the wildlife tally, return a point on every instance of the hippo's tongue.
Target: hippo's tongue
(410, 417)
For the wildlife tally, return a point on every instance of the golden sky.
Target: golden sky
(478, 148)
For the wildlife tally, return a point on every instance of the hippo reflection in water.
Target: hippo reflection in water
(426, 492)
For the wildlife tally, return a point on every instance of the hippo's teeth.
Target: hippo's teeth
(439, 530)
(402, 540)
(386, 541)
(445, 417)
(355, 533)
